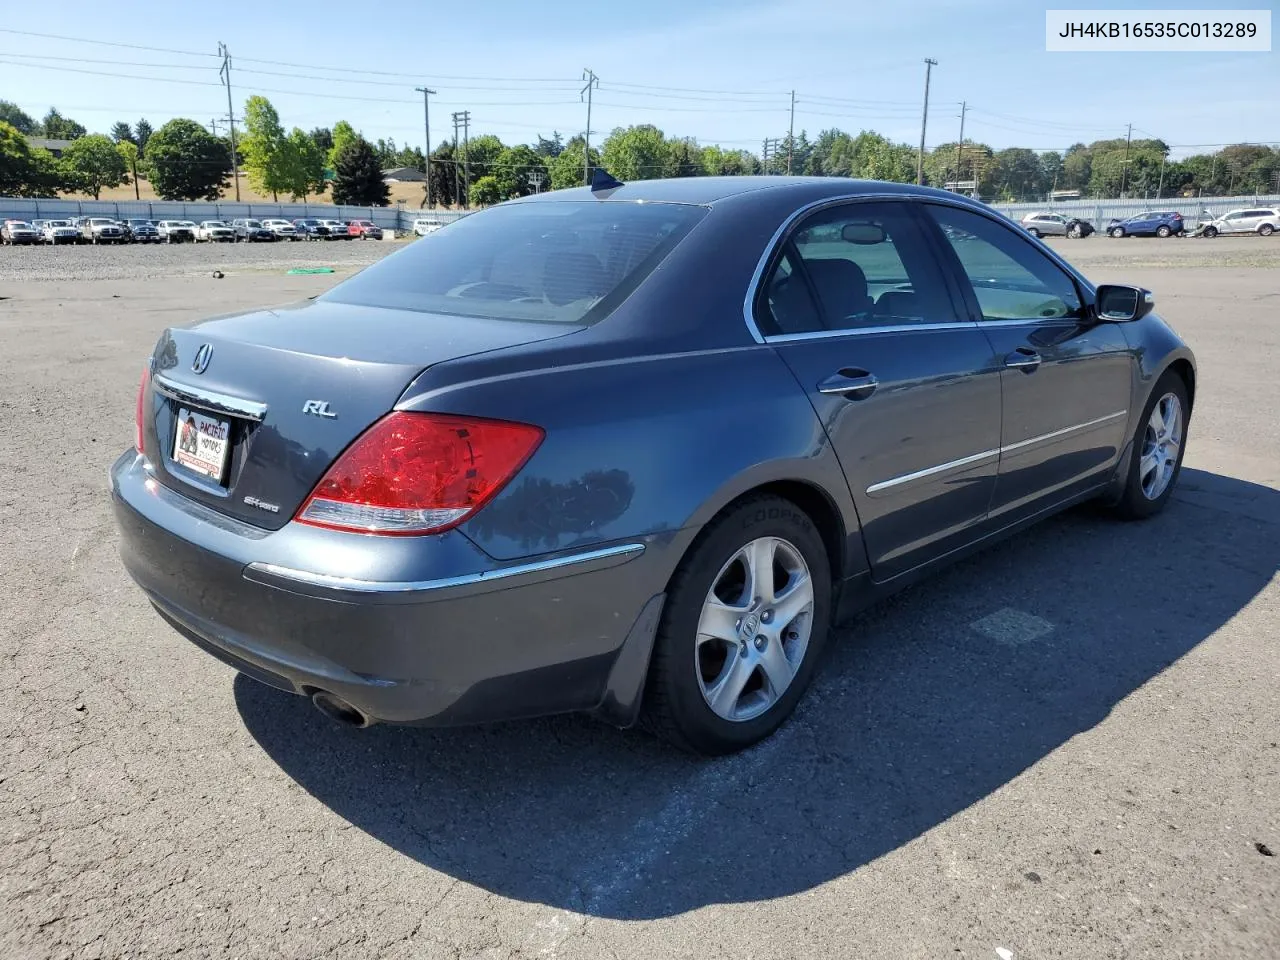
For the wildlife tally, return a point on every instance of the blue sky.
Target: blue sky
(716, 70)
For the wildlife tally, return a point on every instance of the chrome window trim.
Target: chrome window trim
(753, 288)
(350, 585)
(988, 454)
(209, 399)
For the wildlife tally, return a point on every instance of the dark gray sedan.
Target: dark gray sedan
(632, 451)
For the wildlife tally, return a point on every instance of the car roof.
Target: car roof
(712, 190)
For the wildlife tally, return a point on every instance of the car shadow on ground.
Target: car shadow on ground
(926, 704)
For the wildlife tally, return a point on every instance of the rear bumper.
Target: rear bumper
(426, 630)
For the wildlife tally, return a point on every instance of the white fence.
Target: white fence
(389, 218)
(1100, 212)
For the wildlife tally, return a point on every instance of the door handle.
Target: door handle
(850, 383)
(1024, 358)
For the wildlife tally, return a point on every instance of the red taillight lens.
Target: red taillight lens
(415, 473)
(139, 435)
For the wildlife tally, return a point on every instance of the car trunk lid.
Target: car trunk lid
(269, 399)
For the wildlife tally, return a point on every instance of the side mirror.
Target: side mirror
(1121, 303)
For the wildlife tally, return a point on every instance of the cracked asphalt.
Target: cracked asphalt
(961, 777)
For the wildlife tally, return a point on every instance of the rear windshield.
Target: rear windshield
(555, 261)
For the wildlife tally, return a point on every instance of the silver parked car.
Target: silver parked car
(1263, 221)
(1041, 224)
(102, 230)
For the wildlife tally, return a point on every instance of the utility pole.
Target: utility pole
(1160, 186)
(466, 153)
(964, 106)
(769, 152)
(592, 82)
(426, 131)
(1124, 166)
(929, 64)
(457, 195)
(225, 73)
(791, 131)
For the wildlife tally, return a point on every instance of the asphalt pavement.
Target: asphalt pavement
(1065, 746)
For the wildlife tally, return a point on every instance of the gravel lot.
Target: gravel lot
(1063, 747)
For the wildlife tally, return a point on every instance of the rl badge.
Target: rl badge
(201, 443)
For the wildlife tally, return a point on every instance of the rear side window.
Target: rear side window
(865, 265)
(1011, 278)
(549, 261)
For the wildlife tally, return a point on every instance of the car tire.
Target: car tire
(685, 674)
(1210, 232)
(1117, 232)
(1146, 495)
(1266, 230)
(1162, 231)
(1034, 232)
(1074, 231)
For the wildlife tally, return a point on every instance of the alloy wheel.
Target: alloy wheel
(754, 629)
(1161, 441)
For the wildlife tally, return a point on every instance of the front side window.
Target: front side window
(1011, 278)
(865, 265)
(554, 261)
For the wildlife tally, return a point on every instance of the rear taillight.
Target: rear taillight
(139, 435)
(415, 473)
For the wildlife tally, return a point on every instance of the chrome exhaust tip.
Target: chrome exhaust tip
(338, 710)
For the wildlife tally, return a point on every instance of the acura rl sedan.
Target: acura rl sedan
(632, 449)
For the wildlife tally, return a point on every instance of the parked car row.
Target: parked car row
(1157, 223)
(139, 230)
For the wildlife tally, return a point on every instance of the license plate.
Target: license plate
(202, 443)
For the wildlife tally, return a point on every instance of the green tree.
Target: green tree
(358, 176)
(121, 132)
(16, 117)
(187, 162)
(440, 189)
(639, 152)
(684, 158)
(486, 191)
(480, 156)
(1051, 168)
(551, 148)
(128, 151)
(343, 134)
(266, 158)
(323, 138)
(141, 134)
(1020, 174)
(57, 127)
(91, 163)
(516, 169)
(566, 169)
(25, 171)
(303, 165)
(718, 162)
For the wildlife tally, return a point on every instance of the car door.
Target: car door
(856, 304)
(1066, 379)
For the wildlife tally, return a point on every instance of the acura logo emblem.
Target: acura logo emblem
(201, 363)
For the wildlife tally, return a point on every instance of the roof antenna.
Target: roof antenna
(603, 182)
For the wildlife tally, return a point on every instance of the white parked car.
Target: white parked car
(1263, 221)
(212, 231)
(424, 225)
(215, 231)
(283, 229)
(176, 231)
(59, 231)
